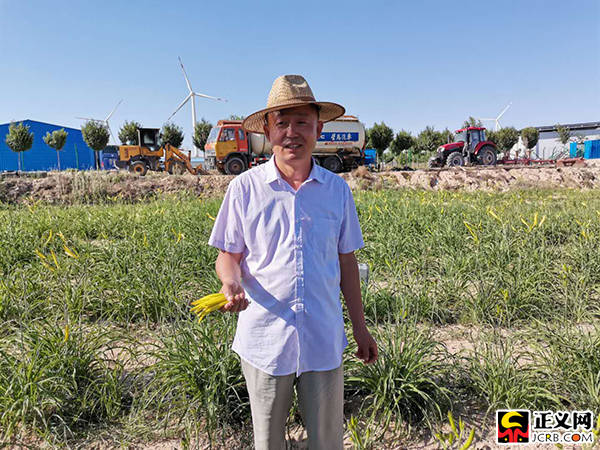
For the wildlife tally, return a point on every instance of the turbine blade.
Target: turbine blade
(114, 109)
(185, 75)
(208, 96)
(180, 105)
(504, 110)
(87, 118)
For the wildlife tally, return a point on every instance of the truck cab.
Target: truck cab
(229, 148)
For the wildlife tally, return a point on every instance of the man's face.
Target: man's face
(293, 132)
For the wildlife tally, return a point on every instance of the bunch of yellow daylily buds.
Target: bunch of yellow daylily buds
(208, 304)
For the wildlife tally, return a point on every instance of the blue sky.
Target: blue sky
(410, 64)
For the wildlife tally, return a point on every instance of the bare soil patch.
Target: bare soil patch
(95, 186)
(499, 178)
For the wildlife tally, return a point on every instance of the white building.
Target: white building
(549, 147)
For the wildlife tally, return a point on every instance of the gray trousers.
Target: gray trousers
(321, 401)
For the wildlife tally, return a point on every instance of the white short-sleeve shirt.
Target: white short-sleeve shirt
(290, 242)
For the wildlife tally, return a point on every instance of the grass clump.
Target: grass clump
(410, 380)
(58, 381)
(503, 375)
(196, 374)
(570, 357)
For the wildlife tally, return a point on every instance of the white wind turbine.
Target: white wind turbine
(191, 96)
(105, 121)
(497, 119)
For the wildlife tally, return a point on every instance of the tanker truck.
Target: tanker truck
(231, 150)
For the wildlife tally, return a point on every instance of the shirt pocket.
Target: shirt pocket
(321, 235)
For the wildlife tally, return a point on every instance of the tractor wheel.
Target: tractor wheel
(487, 156)
(138, 167)
(177, 168)
(455, 159)
(433, 162)
(333, 164)
(234, 166)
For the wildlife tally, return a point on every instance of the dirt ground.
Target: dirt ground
(499, 178)
(73, 187)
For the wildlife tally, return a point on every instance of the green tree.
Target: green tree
(491, 135)
(472, 122)
(236, 117)
(387, 157)
(95, 134)
(506, 138)
(171, 134)
(201, 132)
(564, 134)
(428, 140)
(403, 141)
(379, 137)
(56, 140)
(530, 137)
(19, 139)
(128, 134)
(447, 135)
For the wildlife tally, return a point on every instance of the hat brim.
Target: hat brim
(328, 111)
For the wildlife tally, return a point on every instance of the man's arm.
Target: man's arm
(230, 274)
(350, 284)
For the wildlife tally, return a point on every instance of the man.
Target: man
(287, 231)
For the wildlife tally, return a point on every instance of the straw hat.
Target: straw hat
(289, 91)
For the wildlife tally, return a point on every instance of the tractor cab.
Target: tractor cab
(471, 136)
(149, 138)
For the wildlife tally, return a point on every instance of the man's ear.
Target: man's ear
(266, 128)
(319, 128)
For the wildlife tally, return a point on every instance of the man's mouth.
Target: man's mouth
(293, 146)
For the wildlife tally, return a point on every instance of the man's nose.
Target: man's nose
(291, 130)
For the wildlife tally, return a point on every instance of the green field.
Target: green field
(478, 301)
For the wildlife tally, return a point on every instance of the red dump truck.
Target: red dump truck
(231, 150)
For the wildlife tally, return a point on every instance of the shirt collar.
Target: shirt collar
(272, 173)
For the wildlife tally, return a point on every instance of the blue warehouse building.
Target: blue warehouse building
(74, 155)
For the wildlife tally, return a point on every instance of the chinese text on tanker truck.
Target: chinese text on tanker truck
(331, 136)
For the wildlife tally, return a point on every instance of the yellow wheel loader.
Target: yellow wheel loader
(150, 155)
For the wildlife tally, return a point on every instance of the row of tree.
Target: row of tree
(506, 138)
(96, 135)
(19, 139)
(170, 133)
(382, 137)
(379, 136)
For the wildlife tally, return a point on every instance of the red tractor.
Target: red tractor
(470, 147)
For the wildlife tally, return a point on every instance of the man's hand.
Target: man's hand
(350, 284)
(228, 270)
(367, 347)
(235, 295)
